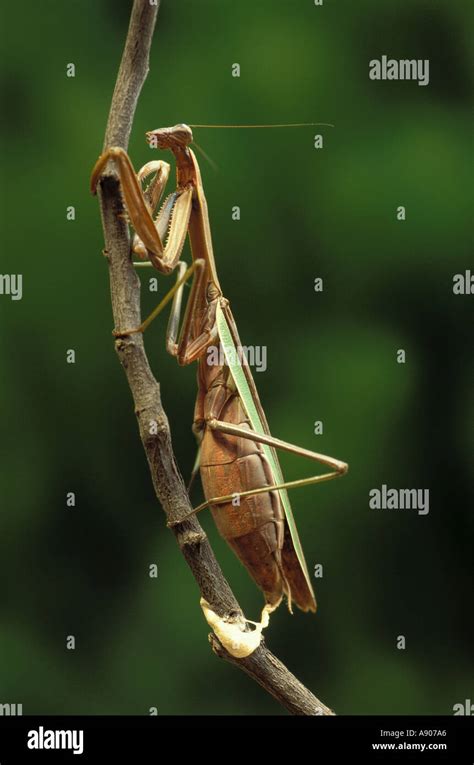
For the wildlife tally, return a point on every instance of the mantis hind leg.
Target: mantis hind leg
(338, 468)
(195, 470)
(175, 294)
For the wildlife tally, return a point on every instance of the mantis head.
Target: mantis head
(176, 137)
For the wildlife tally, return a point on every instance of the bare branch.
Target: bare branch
(170, 490)
(272, 675)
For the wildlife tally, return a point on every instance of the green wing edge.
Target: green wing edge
(245, 394)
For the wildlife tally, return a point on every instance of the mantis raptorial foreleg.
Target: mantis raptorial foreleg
(154, 191)
(139, 208)
(152, 194)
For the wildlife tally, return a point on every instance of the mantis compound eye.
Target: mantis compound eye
(178, 136)
(184, 134)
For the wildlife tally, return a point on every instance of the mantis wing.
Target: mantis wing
(251, 403)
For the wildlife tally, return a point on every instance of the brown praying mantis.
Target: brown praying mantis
(240, 472)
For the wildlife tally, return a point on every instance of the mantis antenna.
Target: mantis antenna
(278, 125)
(206, 156)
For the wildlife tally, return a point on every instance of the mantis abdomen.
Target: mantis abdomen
(252, 526)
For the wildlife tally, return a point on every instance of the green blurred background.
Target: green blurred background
(305, 213)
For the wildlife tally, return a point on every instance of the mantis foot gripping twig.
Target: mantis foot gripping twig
(237, 642)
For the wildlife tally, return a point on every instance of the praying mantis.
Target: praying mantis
(240, 472)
